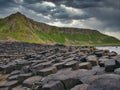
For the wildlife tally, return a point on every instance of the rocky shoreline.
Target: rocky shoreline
(26, 66)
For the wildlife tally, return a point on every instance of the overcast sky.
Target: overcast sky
(102, 15)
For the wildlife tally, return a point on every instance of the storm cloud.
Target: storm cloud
(102, 15)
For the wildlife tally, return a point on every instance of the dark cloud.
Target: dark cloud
(97, 14)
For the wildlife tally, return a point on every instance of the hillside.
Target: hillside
(18, 27)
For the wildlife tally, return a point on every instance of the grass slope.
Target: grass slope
(23, 29)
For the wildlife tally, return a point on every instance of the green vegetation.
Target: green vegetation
(20, 28)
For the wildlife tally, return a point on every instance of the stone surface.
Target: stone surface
(53, 85)
(85, 65)
(73, 64)
(31, 81)
(47, 71)
(81, 87)
(92, 59)
(117, 71)
(59, 65)
(110, 65)
(22, 77)
(20, 88)
(105, 82)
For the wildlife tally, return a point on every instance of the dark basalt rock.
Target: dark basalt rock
(5, 88)
(53, 85)
(31, 81)
(92, 59)
(16, 72)
(8, 85)
(117, 71)
(22, 77)
(85, 65)
(105, 82)
(81, 87)
(13, 77)
(73, 64)
(20, 88)
(47, 71)
(99, 53)
(110, 65)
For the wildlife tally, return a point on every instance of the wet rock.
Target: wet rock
(105, 82)
(31, 81)
(68, 82)
(20, 88)
(110, 65)
(9, 84)
(13, 77)
(85, 65)
(118, 62)
(16, 72)
(81, 87)
(101, 61)
(99, 70)
(73, 64)
(6, 69)
(22, 77)
(117, 71)
(92, 59)
(42, 65)
(5, 88)
(53, 85)
(83, 58)
(112, 54)
(47, 71)
(59, 65)
(99, 53)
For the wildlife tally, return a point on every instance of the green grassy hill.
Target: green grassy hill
(18, 27)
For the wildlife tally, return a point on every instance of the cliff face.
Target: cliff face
(20, 28)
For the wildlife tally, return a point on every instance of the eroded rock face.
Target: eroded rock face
(31, 81)
(47, 71)
(81, 87)
(44, 67)
(105, 82)
(110, 65)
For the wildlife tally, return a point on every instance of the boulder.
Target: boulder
(92, 59)
(53, 85)
(101, 61)
(42, 65)
(13, 77)
(16, 72)
(22, 77)
(85, 65)
(105, 82)
(68, 81)
(31, 81)
(117, 71)
(73, 64)
(80, 87)
(59, 65)
(118, 62)
(5, 88)
(83, 58)
(99, 70)
(110, 65)
(9, 84)
(47, 71)
(20, 88)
